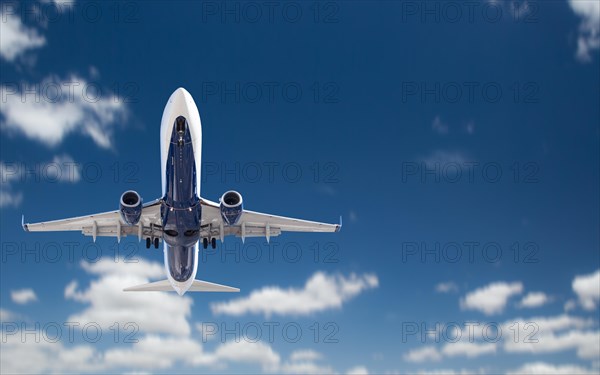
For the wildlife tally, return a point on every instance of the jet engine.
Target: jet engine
(231, 207)
(130, 207)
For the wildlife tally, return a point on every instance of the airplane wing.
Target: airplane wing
(250, 224)
(107, 224)
(256, 224)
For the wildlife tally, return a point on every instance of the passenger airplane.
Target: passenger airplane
(181, 218)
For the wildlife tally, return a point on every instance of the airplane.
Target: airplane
(181, 218)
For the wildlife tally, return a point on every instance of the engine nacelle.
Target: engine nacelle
(130, 207)
(231, 207)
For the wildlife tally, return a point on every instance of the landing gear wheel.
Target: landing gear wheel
(156, 243)
(148, 242)
(205, 242)
(213, 243)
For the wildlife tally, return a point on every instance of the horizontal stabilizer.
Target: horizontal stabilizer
(165, 286)
(205, 286)
(157, 286)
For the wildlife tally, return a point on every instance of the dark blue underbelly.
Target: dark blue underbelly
(180, 209)
(180, 261)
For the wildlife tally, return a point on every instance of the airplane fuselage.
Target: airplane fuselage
(181, 213)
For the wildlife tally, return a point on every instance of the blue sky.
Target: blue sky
(458, 140)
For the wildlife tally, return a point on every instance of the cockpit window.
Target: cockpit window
(171, 233)
(180, 121)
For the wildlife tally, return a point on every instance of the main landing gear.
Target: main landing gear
(213, 242)
(149, 242)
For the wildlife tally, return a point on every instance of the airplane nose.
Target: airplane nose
(181, 103)
(180, 96)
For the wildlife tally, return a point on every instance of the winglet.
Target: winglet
(23, 223)
(339, 226)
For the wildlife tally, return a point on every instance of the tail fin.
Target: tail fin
(165, 286)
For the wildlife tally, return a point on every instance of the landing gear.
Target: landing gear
(151, 241)
(213, 243)
(205, 242)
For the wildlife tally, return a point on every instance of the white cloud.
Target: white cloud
(149, 353)
(156, 313)
(491, 299)
(358, 370)
(541, 368)
(6, 315)
(62, 168)
(426, 353)
(438, 126)
(447, 287)
(570, 305)
(304, 368)
(61, 5)
(303, 362)
(8, 172)
(587, 288)
(10, 198)
(440, 158)
(16, 38)
(536, 335)
(263, 355)
(153, 352)
(552, 323)
(534, 299)
(23, 296)
(60, 107)
(7, 196)
(468, 349)
(31, 357)
(107, 303)
(244, 352)
(552, 334)
(447, 372)
(451, 349)
(305, 355)
(585, 343)
(321, 292)
(589, 28)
